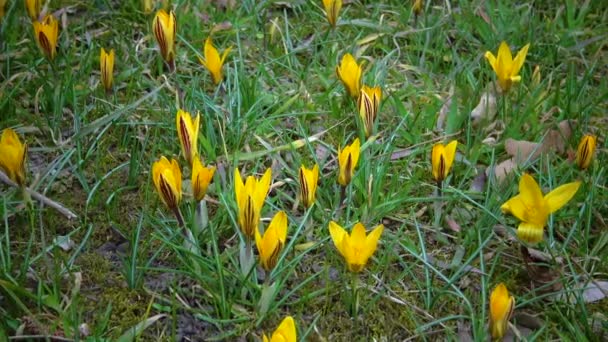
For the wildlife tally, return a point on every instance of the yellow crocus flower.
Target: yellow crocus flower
(187, 131)
(442, 158)
(369, 102)
(501, 309)
(309, 179)
(167, 179)
(347, 161)
(533, 209)
(250, 197)
(357, 247)
(585, 150)
(506, 68)
(164, 27)
(332, 11)
(271, 244)
(350, 73)
(46, 34)
(33, 8)
(286, 332)
(213, 62)
(201, 177)
(106, 65)
(12, 156)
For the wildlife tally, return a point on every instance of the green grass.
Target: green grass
(93, 153)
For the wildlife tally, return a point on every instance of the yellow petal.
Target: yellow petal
(201, 177)
(286, 332)
(13, 155)
(519, 60)
(262, 187)
(491, 59)
(561, 195)
(450, 154)
(530, 232)
(516, 207)
(529, 191)
(501, 308)
(437, 164)
(371, 241)
(337, 235)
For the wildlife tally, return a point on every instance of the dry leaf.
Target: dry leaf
(479, 182)
(554, 140)
(486, 108)
(502, 170)
(443, 112)
(452, 224)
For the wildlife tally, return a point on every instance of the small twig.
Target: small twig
(40, 197)
(39, 337)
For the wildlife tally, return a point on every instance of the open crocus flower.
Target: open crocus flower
(585, 150)
(350, 73)
(250, 197)
(347, 160)
(332, 11)
(442, 158)
(201, 177)
(165, 27)
(533, 209)
(501, 309)
(33, 8)
(506, 68)
(369, 102)
(213, 62)
(12, 156)
(286, 332)
(271, 244)
(106, 65)
(167, 179)
(46, 34)
(357, 247)
(309, 178)
(187, 131)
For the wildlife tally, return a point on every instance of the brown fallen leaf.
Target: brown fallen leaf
(485, 109)
(555, 140)
(502, 170)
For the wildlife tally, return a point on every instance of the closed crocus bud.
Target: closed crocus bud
(250, 196)
(357, 247)
(417, 7)
(164, 27)
(12, 156)
(271, 243)
(213, 62)
(286, 332)
(332, 11)
(167, 179)
(201, 177)
(442, 158)
(106, 65)
(46, 33)
(33, 8)
(501, 309)
(585, 150)
(369, 102)
(347, 160)
(309, 178)
(349, 73)
(536, 76)
(147, 6)
(187, 131)
(2, 5)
